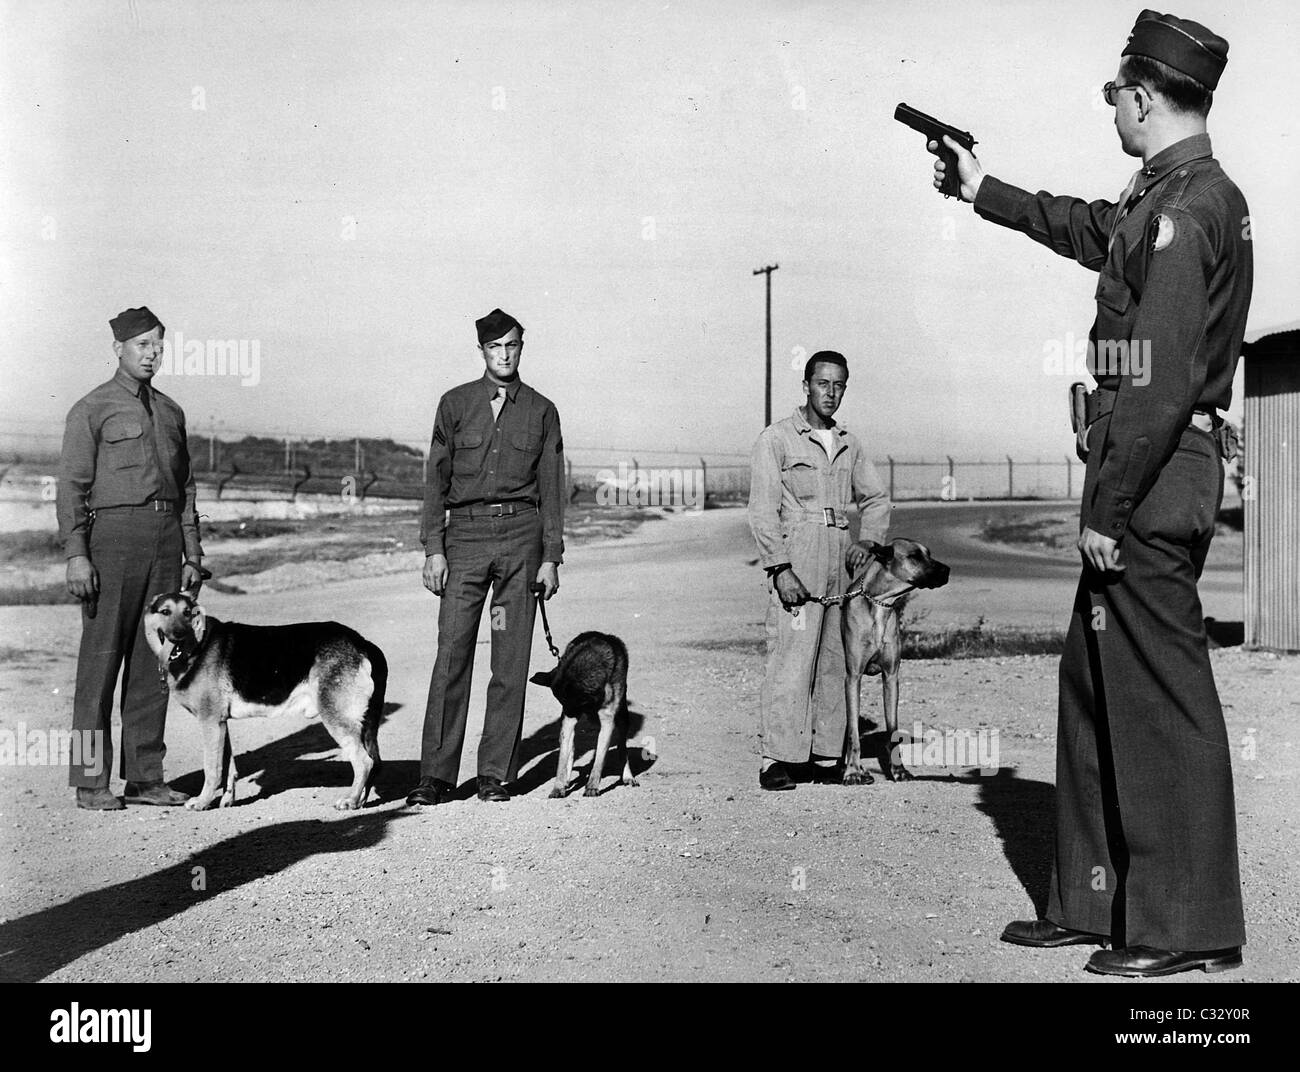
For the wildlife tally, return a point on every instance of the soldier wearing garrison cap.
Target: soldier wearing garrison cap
(1146, 840)
(126, 516)
(493, 520)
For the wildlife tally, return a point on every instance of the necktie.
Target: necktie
(146, 400)
(498, 401)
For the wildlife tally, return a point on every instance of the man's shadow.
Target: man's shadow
(546, 739)
(1023, 812)
(36, 945)
(298, 762)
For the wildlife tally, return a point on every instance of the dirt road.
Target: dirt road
(695, 875)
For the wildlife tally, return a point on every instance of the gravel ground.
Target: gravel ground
(695, 875)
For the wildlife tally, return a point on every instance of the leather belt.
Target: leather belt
(1101, 401)
(164, 506)
(505, 509)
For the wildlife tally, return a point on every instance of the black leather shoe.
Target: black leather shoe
(1044, 934)
(490, 788)
(160, 794)
(1143, 962)
(828, 774)
(98, 800)
(431, 791)
(776, 777)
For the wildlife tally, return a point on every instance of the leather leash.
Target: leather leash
(539, 588)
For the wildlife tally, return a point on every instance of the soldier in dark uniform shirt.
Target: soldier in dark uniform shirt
(126, 517)
(493, 519)
(1146, 843)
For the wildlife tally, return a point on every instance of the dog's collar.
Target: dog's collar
(181, 659)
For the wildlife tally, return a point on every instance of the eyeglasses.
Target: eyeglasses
(1109, 89)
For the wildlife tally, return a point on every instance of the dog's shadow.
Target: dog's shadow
(546, 739)
(279, 766)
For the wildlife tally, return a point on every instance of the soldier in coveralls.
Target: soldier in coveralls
(1146, 840)
(805, 473)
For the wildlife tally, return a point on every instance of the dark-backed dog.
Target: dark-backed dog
(869, 626)
(223, 670)
(591, 680)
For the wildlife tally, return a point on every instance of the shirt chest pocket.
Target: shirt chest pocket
(1115, 309)
(522, 450)
(122, 443)
(804, 479)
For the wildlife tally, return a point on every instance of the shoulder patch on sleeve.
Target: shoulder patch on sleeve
(1162, 232)
(439, 437)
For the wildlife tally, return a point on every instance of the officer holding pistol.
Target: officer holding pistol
(125, 506)
(1146, 841)
(493, 520)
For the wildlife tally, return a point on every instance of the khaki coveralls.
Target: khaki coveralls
(799, 499)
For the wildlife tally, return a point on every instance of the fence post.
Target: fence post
(704, 483)
(357, 456)
(952, 480)
(891, 476)
(1069, 478)
(424, 467)
(1011, 478)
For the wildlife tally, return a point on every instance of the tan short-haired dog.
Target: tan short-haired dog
(869, 626)
(222, 670)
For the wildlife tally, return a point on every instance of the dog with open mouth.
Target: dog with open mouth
(869, 622)
(224, 670)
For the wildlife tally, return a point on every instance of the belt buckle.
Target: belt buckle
(499, 508)
(828, 514)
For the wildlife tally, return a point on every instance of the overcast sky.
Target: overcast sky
(348, 185)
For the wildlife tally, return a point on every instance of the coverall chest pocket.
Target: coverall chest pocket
(122, 441)
(804, 479)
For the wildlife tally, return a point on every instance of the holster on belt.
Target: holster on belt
(1229, 440)
(1086, 408)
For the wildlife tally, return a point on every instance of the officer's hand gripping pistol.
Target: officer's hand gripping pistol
(934, 131)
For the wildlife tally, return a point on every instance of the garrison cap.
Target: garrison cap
(1184, 45)
(132, 322)
(496, 324)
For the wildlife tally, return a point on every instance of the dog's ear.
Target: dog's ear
(543, 677)
(198, 623)
(882, 551)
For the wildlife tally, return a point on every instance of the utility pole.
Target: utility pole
(767, 393)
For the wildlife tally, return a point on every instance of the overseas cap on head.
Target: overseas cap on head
(1182, 44)
(496, 324)
(132, 322)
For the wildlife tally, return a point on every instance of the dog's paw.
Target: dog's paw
(631, 783)
(558, 793)
(345, 804)
(854, 776)
(199, 803)
(227, 800)
(591, 791)
(896, 772)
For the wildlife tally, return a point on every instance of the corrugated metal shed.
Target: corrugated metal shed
(1271, 489)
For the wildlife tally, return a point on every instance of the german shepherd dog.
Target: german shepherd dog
(872, 645)
(222, 670)
(591, 680)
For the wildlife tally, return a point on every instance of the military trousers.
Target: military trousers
(137, 552)
(1146, 835)
(501, 555)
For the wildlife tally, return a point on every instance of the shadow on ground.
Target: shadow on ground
(34, 946)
